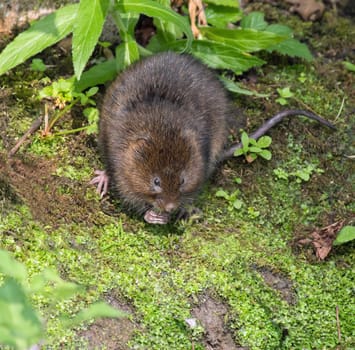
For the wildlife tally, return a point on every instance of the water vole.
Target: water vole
(163, 130)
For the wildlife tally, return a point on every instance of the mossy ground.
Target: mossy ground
(240, 273)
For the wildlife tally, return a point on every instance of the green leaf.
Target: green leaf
(21, 327)
(349, 66)
(37, 65)
(99, 74)
(12, 268)
(220, 16)
(97, 310)
(39, 36)
(266, 154)
(222, 194)
(346, 234)
(285, 92)
(154, 9)
(245, 141)
(88, 26)
(229, 3)
(238, 152)
(234, 87)
(126, 54)
(237, 204)
(280, 29)
(292, 48)
(248, 40)
(264, 141)
(254, 149)
(255, 20)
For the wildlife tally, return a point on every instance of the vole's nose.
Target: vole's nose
(170, 207)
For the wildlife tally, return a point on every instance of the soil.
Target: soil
(212, 315)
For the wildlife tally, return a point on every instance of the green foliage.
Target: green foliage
(232, 199)
(346, 234)
(349, 66)
(218, 47)
(285, 94)
(37, 65)
(23, 327)
(252, 148)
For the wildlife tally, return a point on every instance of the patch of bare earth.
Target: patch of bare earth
(111, 333)
(52, 199)
(280, 283)
(212, 315)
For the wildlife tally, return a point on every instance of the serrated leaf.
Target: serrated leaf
(346, 234)
(87, 30)
(11, 267)
(234, 87)
(264, 141)
(155, 10)
(280, 29)
(265, 154)
(254, 20)
(99, 74)
(220, 16)
(126, 54)
(229, 3)
(293, 48)
(248, 40)
(40, 35)
(217, 55)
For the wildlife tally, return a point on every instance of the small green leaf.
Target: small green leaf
(238, 152)
(346, 234)
(245, 141)
(254, 20)
(264, 141)
(87, 30)
(237, 204)
(349, 66)
(266, 154)
(40, 35)
(254, 149)
(37, 65)
(282, 101)
(222, 194)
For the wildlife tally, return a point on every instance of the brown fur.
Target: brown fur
(165, 117)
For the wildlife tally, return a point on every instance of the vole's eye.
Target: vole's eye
(182, 181)
(156, 182)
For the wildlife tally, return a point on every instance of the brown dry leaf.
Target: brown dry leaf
(309, 10)
(322, 239)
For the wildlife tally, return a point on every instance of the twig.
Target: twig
(33, 128)
(340, 109)
(338, 323)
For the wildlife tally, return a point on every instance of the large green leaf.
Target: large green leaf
(39, 36)
(293, 48)
(12, 268)
(88, 27)
(230, 3)
(255, 20)
(218, 55)
(247, 40)
(126, 54)
(98, 74)
(154, 9)
(220, 16)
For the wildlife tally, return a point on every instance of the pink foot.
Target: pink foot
(152, 217)
(101, 180)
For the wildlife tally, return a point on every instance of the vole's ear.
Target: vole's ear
(138, 147)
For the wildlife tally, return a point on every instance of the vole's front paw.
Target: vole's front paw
(101, 181)
(153, 217)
